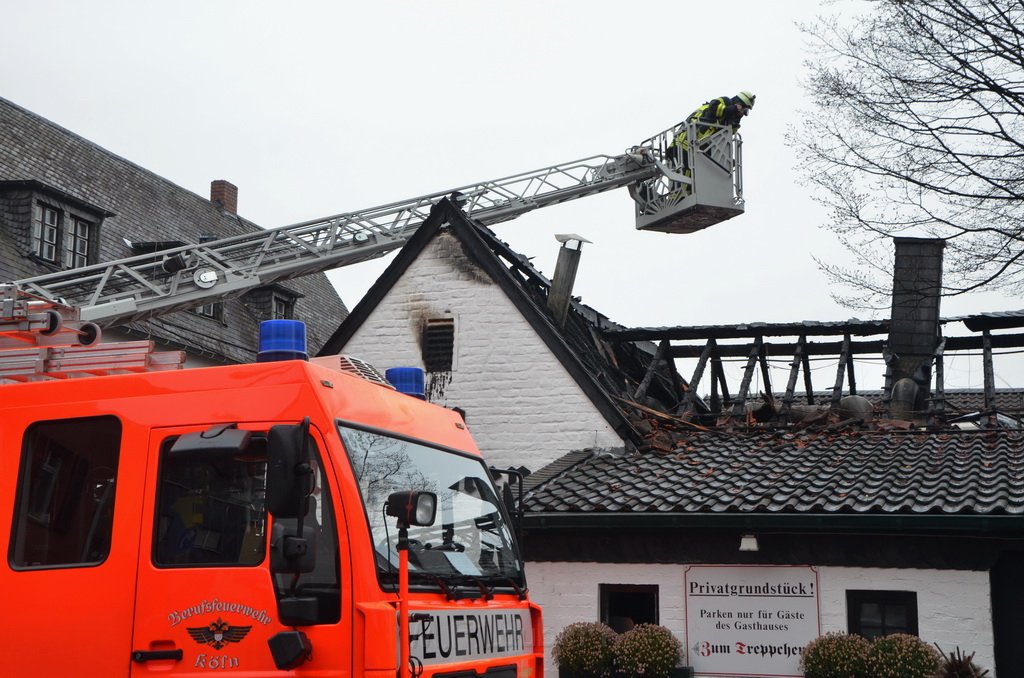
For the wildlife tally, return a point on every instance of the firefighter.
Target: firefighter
(723, 111)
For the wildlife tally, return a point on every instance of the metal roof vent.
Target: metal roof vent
(360, 368)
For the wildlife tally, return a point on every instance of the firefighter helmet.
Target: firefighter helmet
(746, 98)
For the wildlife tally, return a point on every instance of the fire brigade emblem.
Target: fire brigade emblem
(218, 634)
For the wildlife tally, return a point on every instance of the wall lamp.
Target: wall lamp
(748, 542)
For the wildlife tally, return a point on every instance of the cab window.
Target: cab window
(211, 512)
(64, 508)
(210, 508)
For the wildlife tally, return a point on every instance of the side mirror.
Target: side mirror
(289, 475)
(412, 508)
(291, 553)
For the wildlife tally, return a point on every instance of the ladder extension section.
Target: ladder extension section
(669, 198)
(188, 276)
(42, 340)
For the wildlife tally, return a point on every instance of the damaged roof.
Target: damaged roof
(609, 372)
(684, 460)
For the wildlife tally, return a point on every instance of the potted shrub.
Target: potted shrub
(835, 655)
(958, 665)
(647, 650)
(584, 650)
(902, 656)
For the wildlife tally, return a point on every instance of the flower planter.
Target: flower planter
(568, 673)
(678, 672)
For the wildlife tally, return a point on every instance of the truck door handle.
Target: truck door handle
(150, 655)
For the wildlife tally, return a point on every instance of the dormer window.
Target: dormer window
(282, 306)
(213, 310)
(55, 228)
(272, 302)
(45, 232)
(78, 242)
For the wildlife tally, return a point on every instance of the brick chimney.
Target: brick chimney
(225, 195)
(914, 325)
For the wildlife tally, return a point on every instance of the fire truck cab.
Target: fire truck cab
(235, 520)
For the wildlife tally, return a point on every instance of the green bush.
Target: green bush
(836, 655)
(585, 648)
(647, 650)
(902, 656)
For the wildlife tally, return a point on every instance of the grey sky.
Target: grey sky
(314, 108)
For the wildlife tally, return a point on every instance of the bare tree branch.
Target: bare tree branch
(920, 131)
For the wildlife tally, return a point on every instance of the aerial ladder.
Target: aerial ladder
(673, 192)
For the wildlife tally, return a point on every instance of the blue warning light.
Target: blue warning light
(407, 380)
(282, 340)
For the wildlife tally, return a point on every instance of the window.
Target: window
(60, 236)
(76, 243)
(438, 344)
(211, 513)
(45, 231)
(210, 508)
(623, 606)
(470, 537)
(212, 310)
(281, 307)
(64, 508)
(880, 613)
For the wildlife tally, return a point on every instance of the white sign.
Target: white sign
(445, 636)
(750, 620)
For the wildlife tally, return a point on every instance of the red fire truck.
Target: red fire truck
(252, 519)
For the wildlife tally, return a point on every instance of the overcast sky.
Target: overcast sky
(313, 108)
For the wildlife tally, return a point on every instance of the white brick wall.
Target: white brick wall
(953, 606)
(523, 408)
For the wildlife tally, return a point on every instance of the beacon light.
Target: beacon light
(282, 340)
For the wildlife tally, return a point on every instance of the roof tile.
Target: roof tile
(968, 472)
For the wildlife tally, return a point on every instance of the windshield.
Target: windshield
(469, 539)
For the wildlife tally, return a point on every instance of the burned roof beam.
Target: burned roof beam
(743, 350)
(844, 360)
(748, 373)
(856, 347)
(659, 355)
(698, 373)
(991, 321)
(718, 380)
(794, 372)
(808, 386)
(859, 328)
(766, 376)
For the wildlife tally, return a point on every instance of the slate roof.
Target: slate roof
(140, 206)
(774, 473)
